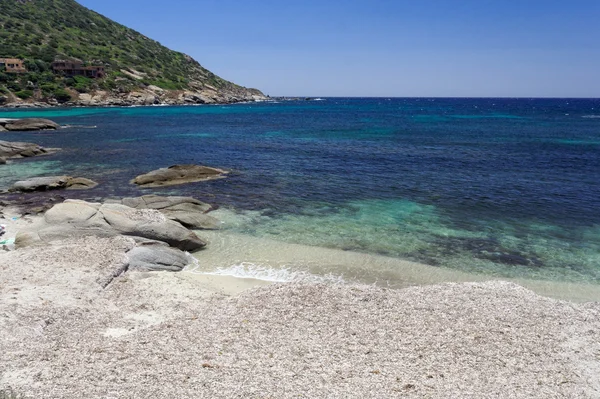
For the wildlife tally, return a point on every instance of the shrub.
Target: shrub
(62, 95)
(49, 87)
(14, 85)
(24, 94)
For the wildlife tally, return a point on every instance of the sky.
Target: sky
(382, 48)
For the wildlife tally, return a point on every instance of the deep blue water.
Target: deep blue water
(502, 186)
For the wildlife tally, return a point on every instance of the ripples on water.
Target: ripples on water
(497, 186)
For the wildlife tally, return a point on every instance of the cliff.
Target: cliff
(136, 69)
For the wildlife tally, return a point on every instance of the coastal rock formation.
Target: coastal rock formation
(75, 218)
(29, 124)
(188, 211)
(157, 258)
(53, 183)
(14, 149)
(178, 174)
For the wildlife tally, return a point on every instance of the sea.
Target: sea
(388, 191)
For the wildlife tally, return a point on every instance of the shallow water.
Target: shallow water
(500, 187)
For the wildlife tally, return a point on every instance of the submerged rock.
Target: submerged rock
(15, 149)
(178, 174)
(53, 183)
(28, 124)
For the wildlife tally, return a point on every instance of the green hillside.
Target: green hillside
(41, 31)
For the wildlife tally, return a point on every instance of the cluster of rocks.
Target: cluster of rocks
(150, 95)
(159, 226)
(173, 175)
(152, 222)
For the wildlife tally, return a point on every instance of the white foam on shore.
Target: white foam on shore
(249, 270)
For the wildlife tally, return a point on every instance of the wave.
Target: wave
(258, 272)
(79, 126)
(591, 116)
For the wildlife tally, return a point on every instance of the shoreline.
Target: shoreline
(246, 256)
(67, 334)
(238, 262)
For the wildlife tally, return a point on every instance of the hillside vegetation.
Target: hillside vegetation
(41, 31)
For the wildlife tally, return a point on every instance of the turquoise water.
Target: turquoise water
(500, 187)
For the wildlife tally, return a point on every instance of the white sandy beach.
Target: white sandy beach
(189, 335)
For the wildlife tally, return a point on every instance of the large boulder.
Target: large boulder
(157, 258)
(178, 174)
(188, 211)
(53, 183)
(74, 218)
(31, 124)
(14, 149)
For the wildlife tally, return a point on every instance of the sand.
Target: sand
(70, 329)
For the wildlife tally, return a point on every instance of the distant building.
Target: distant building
(76, 68)
(12, 65)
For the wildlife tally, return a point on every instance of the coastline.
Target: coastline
(187, 334)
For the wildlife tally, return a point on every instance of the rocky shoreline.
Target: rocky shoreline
(151, 95)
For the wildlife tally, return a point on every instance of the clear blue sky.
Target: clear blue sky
(504, 48)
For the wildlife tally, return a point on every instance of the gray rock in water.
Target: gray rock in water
(14, 149)
(40, 184)
(178, 174)
(194, 220)
(80, 183)
(167, 202)
(188, 211)
(74, 218)
(53, 183)
(157, 258)
(31, 124)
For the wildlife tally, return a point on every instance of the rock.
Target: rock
(2, 161)
(22, 150)
(178, 174)
(40, 184)
(157, 258)
(167, 202)
(194, 220)
(53, 183)
(2, 129)
(188, 211)
(80, 183)
(74, 218)
(72, 212)
(31, 124)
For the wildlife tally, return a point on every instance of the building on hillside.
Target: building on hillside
(12, 65)
(76, 68)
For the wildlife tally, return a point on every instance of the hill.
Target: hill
(137, 68)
